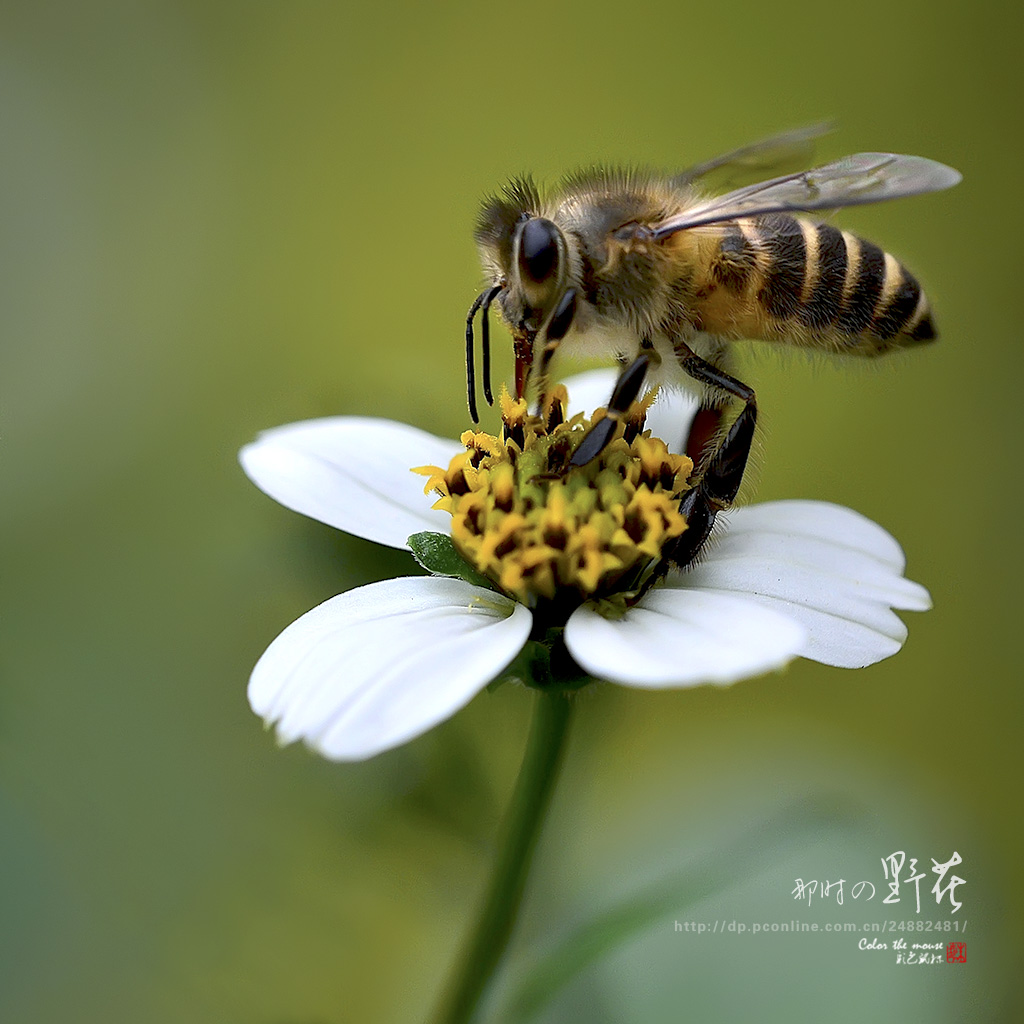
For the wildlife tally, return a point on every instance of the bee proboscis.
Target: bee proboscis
(656, 274)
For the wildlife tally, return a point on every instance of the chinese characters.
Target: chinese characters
(900, 872)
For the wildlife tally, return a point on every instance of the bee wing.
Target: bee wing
(780, 152)
(861, 178)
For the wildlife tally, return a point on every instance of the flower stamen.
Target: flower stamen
(537, 528)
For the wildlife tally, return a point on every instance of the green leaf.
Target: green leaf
(608, 929)
(438, 555)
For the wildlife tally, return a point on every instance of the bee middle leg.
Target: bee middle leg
(626, 389)
(723, 469)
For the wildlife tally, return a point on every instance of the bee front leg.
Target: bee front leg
(722, 475)
(627, 387)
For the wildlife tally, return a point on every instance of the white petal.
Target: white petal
(679, 637)
(376, 666)
(833, 523)
(669, 418)
(589, 390)
(353, 473)
(827, 567)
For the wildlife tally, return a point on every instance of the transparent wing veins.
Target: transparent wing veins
(780, 152)
(851, 181)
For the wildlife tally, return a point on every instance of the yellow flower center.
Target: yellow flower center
(536, 527)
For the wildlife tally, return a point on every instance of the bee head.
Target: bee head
(530, 260)
(548, 305)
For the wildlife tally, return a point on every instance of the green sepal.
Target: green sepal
(612, 607)
(544, 665)
(438, 555)
(530, 667)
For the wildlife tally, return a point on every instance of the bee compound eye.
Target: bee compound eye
(538, 249)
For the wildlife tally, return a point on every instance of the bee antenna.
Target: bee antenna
(485, 340)
(470, 369)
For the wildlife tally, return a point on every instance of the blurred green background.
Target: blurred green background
(221, 217)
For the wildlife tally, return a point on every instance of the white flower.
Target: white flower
(371, 668)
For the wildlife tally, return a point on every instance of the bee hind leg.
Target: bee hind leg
(722, 474)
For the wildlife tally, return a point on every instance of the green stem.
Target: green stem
(518, 838)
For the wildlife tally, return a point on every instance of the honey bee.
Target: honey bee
(657, 274)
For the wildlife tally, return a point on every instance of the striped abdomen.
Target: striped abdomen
(780, 277)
